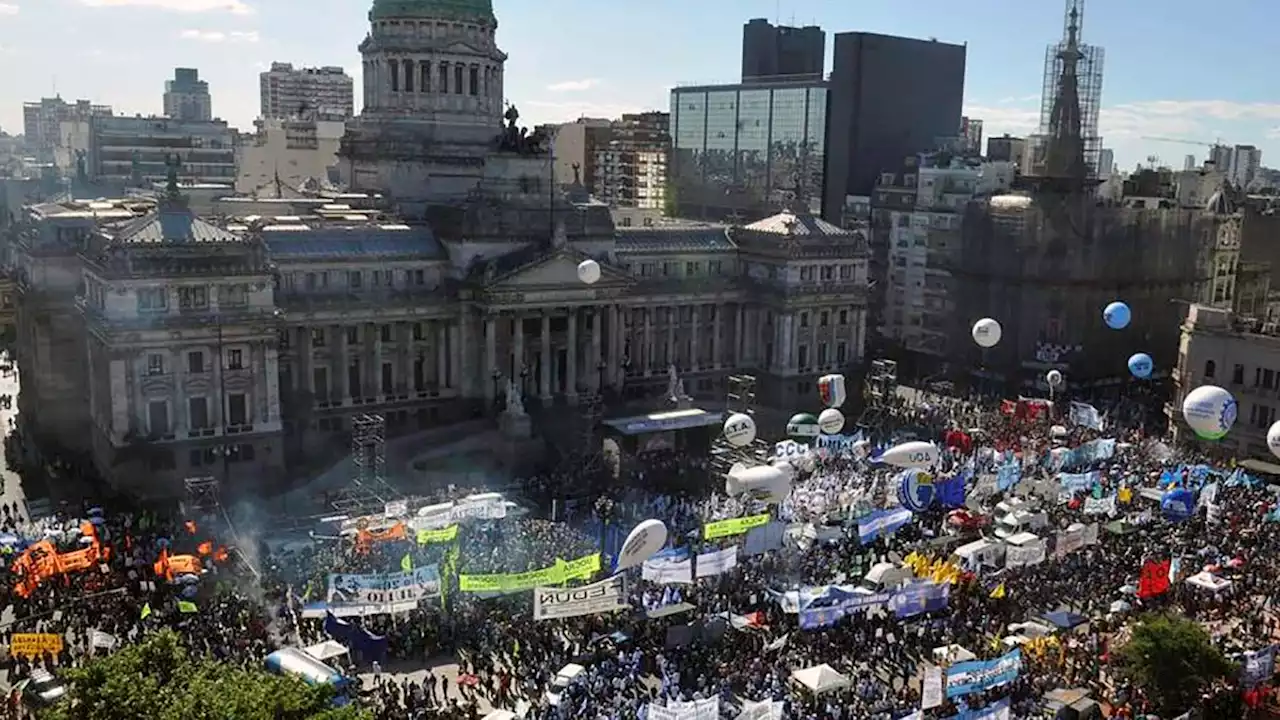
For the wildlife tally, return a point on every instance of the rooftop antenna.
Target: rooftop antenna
(777, 12)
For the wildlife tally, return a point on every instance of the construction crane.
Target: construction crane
(1183, 142)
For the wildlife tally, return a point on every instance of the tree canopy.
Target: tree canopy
(1172, 659)
(158, 679)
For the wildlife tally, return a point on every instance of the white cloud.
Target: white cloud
(217, 36)
(8, 9)
(573, 85)
(1141, 129)
(235, 7)
(535, 112)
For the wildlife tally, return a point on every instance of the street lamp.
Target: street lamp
(524, 380)
(496, 374)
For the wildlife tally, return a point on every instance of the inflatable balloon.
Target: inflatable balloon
(915, 490)
(803, 425)
(1054, 378)
(986, 332)
(646, 539)
(771, 483)
(1141, 365)
(915, 454)
(1116, 315)
(589, 271)
(831, 390)
(1178, 504)
(1210, 411)
(1273, 439)
(830, 421)
(861, 448)
(739, 429)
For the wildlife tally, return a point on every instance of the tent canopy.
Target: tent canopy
(1065, 619)
(820, 678)
(325, 650)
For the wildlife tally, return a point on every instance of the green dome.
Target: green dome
(478, 10)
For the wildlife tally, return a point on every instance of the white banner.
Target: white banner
(716, 563)
(1104, 506)
(763, 710)
(1091, 534)
(605, 596)
(396, 509)
(1030, 554)
(666, 571)
(708, 709)
(482, 507)
(931, 691)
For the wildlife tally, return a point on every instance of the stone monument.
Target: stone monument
(513, 421)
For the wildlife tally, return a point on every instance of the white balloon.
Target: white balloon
(861, 448)
(1210, 411)
(646, 539)
(1054, 377)
(986, 332)
(1273, 439)
(589, 271)
(831, 421)
(762, 478)
(739, 429)
(914, 454)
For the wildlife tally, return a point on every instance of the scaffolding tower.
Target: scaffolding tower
(204, 497)
(368, 491)
(878, 391)
(740, 398)
(591, 410)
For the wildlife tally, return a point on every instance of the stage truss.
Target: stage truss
(739, 398)
(368, 490)
(879, 389)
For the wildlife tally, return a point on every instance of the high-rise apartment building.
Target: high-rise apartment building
(573, 149)
(970, 136)
(778, 51)
(1106, 163)
(890, 98)
(747, 151)
(1238, 164)
(323, 93)
(631, 168)
(42, 122)
(186, 96)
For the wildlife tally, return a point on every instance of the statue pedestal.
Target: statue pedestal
(515, 426)
(517, 448)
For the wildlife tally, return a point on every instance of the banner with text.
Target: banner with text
(603, 597)
(373, 593)
(733, 526)
(979, 675)
(563, 571)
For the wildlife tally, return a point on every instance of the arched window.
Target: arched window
(1209, 368)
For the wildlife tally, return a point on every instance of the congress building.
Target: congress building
(162, 343)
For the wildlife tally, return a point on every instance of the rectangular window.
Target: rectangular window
(317, 337)
(195, 362)
(418, 333)
(475, 81)
(354, 279)
(233, 295)
(458, 87)
(235, 359)
(353, 379)
(193, 298)
(387, 378)
(353, 336)
(158, 417)
(320, 383)
(153, 300)
(384, 333)
(237, 409)
(198, 412)
(155, 364)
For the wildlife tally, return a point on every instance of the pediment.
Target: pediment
(559, 270)
(462, 48)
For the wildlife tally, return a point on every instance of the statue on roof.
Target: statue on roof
(577, 173)
(515, 405)
(519, 140)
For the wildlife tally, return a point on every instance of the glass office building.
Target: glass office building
(743, 152)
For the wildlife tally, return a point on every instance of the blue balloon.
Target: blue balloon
(1116, 315)
(916, 491)
(1140, 364)
(1178, 504)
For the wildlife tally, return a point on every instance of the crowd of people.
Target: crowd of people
(458, 654)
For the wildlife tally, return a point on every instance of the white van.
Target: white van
(566, 677)
(885, 576)
(979, 553)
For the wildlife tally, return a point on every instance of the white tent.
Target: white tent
(500, 715)
(820, 678)
(325, 650)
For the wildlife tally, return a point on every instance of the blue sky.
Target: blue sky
(1172, 70)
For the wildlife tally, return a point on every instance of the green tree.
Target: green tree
(158, 679)
(1172, 659)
